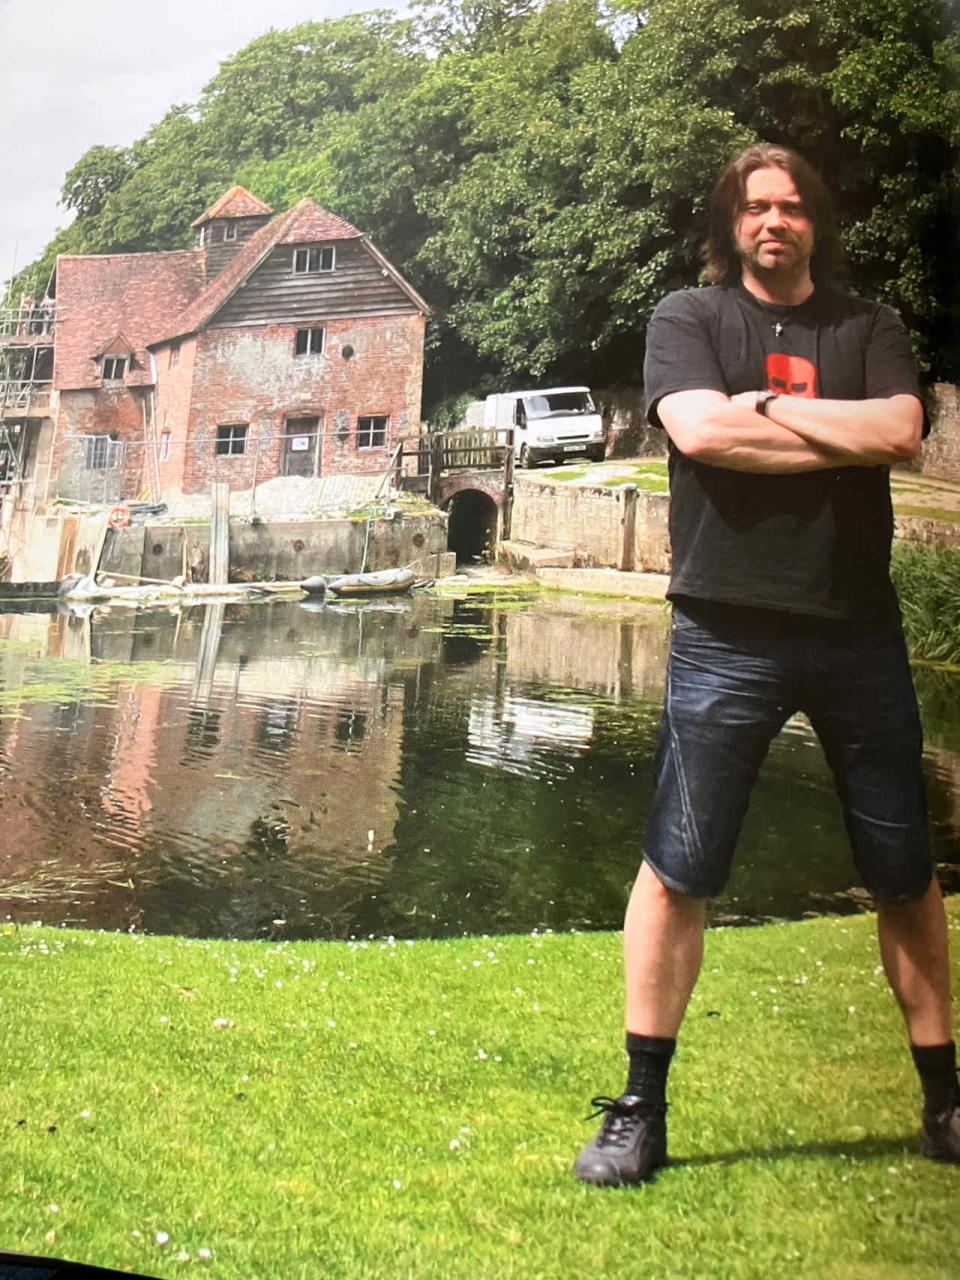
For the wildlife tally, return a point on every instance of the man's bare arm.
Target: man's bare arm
(870, 432)
(710, 427)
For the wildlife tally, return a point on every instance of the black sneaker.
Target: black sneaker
(941, 1131)
(630, 1145)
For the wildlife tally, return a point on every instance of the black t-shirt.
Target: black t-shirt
(817, 542)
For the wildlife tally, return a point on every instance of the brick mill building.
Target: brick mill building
(276, 346)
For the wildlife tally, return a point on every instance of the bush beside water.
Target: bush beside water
(928, 582)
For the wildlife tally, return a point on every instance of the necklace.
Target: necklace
(778, 328)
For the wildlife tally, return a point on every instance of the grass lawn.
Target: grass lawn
(391, 1110)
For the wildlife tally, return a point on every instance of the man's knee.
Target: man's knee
(653, 887)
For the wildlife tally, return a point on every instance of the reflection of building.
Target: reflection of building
(526, 736)
(269, 788)
(573, 646)
(280, 345)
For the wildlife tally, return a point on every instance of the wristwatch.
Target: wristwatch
(763, 399)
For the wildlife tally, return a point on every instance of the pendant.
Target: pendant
(778, 328)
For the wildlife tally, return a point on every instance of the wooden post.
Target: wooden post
(628, 528)
(220, 533)
(506, 518)
(209, 648)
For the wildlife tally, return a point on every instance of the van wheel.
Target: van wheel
(524, 460)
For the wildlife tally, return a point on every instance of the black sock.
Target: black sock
(649, 1063)
(937, 1065)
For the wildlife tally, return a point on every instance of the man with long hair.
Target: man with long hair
(785, 402)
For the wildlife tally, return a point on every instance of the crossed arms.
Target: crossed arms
(797, 433)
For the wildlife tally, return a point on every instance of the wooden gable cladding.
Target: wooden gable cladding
(218, 250)
(358, 285)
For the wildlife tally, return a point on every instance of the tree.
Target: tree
(283, 90)
(444, 26)
(98, 172)
(175, 175)
(508, 242)
(867, 91)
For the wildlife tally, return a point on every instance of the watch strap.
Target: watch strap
(763, 400)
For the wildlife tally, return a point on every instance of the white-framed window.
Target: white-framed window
(231, 438)
(103, 453)
(230, 231)
(113, 368)
(319, 258)
(372, 431)
(309, 342)
(164, 445)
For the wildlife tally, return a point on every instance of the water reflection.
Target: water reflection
(417, 767)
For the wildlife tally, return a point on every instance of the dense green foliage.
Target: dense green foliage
(379, 1111)
(539, 168)
(928, 583)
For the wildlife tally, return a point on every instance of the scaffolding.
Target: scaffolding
(26, 381)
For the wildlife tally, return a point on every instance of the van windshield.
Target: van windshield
(558, 402)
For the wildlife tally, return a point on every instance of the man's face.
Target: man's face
(773, 233)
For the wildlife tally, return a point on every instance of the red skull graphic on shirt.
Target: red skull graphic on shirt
(791, 375)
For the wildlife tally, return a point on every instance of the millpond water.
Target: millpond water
(419, 767)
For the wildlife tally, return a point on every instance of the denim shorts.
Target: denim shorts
(735, 676)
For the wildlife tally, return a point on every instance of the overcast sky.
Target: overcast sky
(80, 72)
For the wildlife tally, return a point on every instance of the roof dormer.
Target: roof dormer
(226, 225)
(114, 360)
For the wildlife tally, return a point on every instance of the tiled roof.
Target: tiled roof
(305, 223)
(118, 345)
(238, 202)
(134, 294)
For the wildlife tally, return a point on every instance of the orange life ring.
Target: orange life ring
(119, 518)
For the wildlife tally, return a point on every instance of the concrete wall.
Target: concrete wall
(45, 548)
(283, 551)
(594, 523)
(941, 449)
(652, 533)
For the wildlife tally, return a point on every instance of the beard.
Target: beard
(787, 269)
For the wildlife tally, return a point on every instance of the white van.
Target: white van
(557, 423)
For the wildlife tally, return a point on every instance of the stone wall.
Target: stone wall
(941, 449)
(624, 417)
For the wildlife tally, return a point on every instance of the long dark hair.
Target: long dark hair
(720, 258)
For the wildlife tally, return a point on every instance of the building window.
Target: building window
(231, 438)
(164, 446)
(319, 259)
(201, 236)
(309, 342)
(174, 359)
(114, 367)
(371, 432)
(101, 453)
(230, 231)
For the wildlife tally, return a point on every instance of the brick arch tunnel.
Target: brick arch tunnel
(472, 527)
